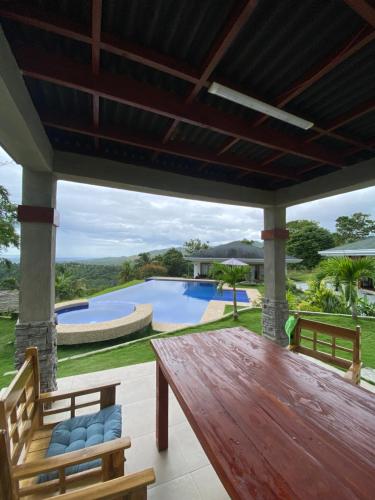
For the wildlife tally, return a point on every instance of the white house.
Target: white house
(250, 252)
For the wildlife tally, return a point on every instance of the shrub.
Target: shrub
(149, 270)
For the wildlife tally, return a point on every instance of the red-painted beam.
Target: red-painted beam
(237, 20)
(187, 151)
(31, 213)
(349, 48)
(363, 9)
(338, 122)
(233, 27)
(96, 29)
(64, 71)
(56, 24)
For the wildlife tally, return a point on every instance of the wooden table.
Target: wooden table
(273, 424)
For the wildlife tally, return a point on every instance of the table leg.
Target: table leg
(161, 409)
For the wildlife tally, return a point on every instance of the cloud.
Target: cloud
(98, 221)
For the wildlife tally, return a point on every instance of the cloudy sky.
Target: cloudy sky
(101, 222)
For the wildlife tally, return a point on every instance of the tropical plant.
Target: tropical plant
(126, 272)
(230, 275)
(8, 221)
(365, 307)
(174, 261)
(322, 298)
(142, 259)
(149, 270)
(194, 245)
(67, 287)
(345, 274)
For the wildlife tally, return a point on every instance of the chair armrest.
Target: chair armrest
(113, 488)
(48, 397)
(36, 467)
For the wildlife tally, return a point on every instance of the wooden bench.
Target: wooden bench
(353, 366)
(25, 429)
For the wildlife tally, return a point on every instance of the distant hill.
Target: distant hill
(117, 261)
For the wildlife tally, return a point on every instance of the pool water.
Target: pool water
(172, 302)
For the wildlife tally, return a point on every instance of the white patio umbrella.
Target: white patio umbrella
(234, 262)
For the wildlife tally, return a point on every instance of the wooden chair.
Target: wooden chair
(25, 436)
(352, 366)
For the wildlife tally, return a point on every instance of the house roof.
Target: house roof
(357, 248)
(128, 81)
(235, 249)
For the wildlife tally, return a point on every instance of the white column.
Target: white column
(36, 325)
(275, 306)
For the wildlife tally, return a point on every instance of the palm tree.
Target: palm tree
(345, 273)
(230, 275)
(127, 272)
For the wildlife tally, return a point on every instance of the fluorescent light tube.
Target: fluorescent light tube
(262, 107)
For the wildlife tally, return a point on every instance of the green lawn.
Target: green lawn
(301, 274)
(141, 351)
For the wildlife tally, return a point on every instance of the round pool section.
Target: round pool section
(94, 311)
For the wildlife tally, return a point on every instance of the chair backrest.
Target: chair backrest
(19, 412)
(323, 343)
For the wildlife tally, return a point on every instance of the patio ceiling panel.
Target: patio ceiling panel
(270, 65)
(363, 127)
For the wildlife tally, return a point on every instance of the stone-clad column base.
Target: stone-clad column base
(41, 334)
(275, 314)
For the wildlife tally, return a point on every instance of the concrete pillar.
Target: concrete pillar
(275, 305)
(36, 325)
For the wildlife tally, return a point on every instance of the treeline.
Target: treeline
(307, 237)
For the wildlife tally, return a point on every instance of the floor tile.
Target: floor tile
(182, 488)
(208, 484)
(168, 464)
(190, 446)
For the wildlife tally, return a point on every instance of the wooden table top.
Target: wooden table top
(272, 423)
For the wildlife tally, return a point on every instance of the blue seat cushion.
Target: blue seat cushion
(80, 432)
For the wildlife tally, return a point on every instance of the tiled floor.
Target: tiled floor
(183, 472)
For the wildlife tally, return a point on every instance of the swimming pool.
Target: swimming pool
(172, 302)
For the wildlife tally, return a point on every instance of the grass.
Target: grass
(301, 274)
(117, 287)
(142, 352)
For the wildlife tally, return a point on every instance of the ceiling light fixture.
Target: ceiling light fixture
(232, 95)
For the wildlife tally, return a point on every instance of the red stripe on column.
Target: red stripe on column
(275, 234)
(28, 213)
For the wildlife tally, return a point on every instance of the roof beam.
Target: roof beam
(349, 48)
(239, 17)
(237, 21)
(38, 18)
(363, 9)
(338, 122)
(187, 151)
(64, 71)
(96, 28)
